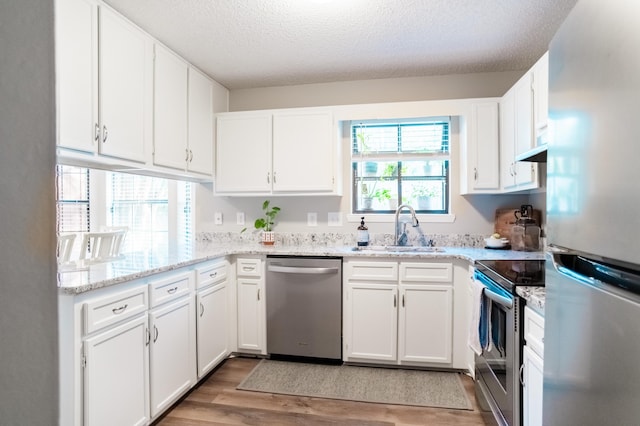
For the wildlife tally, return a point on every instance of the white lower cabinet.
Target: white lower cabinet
(172, 352)
(401, 321)
(532, 368)
(371, 318)
(251, 305)
(116, 375)
(212, 315)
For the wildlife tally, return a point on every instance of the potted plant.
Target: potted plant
(427, 196)
(370, 167)
(267, 222)
(384, 196)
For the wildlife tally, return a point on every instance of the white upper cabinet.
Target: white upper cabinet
(283, 152)
(541, 96)
(517, 136)
(303, 151)
(77, 74)
(243, 153)
(170, 110)
(480, 153)
(183, 115)
(200, 123)
(125, 55)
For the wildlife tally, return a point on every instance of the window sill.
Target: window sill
(390, 218)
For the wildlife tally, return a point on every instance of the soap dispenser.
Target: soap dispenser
(363, 234)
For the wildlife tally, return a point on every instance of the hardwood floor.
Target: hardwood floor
(216, 402)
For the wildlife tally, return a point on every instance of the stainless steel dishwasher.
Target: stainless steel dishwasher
(304, 306)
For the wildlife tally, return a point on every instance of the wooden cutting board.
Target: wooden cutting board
(505, 219)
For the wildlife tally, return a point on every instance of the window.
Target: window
(155, 211)
(72, 199)
(402, 162)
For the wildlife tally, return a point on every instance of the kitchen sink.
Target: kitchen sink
(407, 249)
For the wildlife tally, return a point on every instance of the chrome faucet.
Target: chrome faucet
(402, 240)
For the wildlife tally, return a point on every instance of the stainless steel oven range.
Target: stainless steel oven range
(497, 370)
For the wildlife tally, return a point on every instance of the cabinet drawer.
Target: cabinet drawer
(108, 310)
(371, 271)
(248, 267)
(211, 272)
(534, 330)
(426, 272)
(170, 288)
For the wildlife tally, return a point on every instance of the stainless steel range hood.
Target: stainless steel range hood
(535, 155)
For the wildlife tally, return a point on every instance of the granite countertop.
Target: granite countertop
(534, 296)
(79, 278)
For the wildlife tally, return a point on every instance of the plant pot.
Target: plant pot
(268, 238)
(429, 203)
(370, 169)
(367, 203)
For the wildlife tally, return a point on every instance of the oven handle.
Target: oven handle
(499, 299)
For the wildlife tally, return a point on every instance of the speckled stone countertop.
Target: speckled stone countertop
(79, 278)
(534, 296)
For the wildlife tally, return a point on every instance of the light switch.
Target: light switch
(240, 218)
(334, 219)
(312, 219)
(217, 218)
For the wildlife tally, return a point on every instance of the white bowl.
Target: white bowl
(496, 242)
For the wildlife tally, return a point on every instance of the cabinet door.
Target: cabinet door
(251, 315)
(116, 378)
(303, 152)
(77, 73)
(243, 154)
(123, 86)
(212, 326)
(525, 172)
(169, 110)
(172, 352)
(371, 321)
(425, 331)
(507, 140)
(485, 134)
(541, 93)
(532, 387)
(200, 123)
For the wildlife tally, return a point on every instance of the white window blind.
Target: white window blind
(72, 199)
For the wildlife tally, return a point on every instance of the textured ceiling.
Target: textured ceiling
(261, 43)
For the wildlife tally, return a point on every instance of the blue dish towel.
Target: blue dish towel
(480, 319)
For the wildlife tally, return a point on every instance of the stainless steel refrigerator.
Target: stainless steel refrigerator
(592, 312)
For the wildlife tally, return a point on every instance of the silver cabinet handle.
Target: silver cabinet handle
(172, 290)
(105, 134)
(148, 333)
(190, 156)
(403, 300)
(97, 133)
(258, 294)
(475, 173)
(268, 178)
(213, 275)
(249, 268)
(117, 311)
(274, 177)
(522, 375)
(186, 155)
(395, 301)
(201, 309)
(155, 338)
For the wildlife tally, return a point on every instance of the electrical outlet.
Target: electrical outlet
(240, 218)
(312, 219)
(217, 218)
(334, 219)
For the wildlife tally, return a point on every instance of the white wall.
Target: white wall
(28, 305)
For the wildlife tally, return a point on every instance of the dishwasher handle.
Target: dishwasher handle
(277, 267)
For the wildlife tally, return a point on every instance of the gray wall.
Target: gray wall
(28, 305)
(459, 86)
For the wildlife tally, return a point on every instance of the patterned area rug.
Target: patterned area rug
(364, 384)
